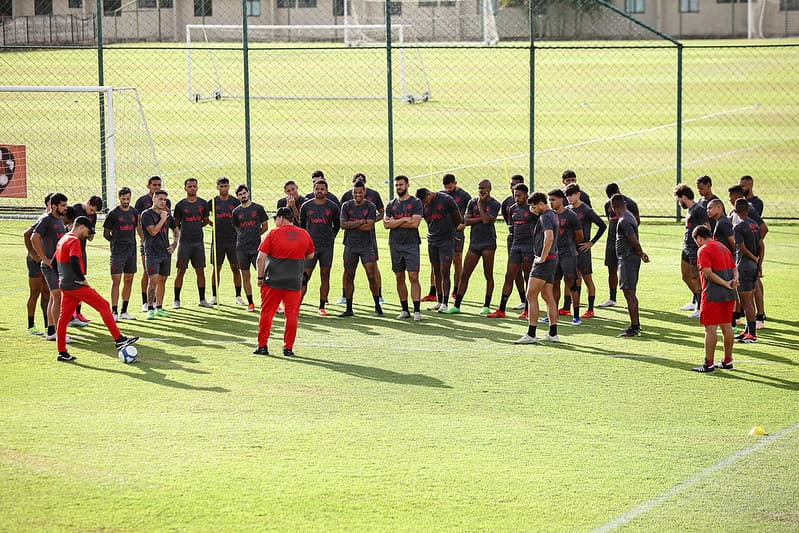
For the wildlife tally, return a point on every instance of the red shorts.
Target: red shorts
(716, 313)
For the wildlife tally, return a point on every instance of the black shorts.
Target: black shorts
(584, 266)
(244, 259)
(567, 269)
(34, 267)
(611, 259)
(457, 245)
(123, 261)
(227, 248)
(161, 266)
(546, 270)
(193, 252)
(747, 278)
(405, 259)
(441, 252)
(353, 255)
(689, 258)
(50, 276)
(518, 256)
(478, 249)
(628, 273)
(323, 256)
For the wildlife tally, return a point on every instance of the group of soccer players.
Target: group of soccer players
(550, 239)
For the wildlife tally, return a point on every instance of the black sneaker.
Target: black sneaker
(378, 311)
(261, 350)
(64, 356)
(725, 366)
(704, 368)
(740, 336)
(123, 341)
(288, 352)
(630, 332)
(346, 314)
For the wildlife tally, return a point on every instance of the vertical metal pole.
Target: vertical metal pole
(679, 121)
(390, 102)
(111, 128)
(101, 96)
(246, 52)
(531, 121)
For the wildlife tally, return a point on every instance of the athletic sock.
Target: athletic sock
(249, 299)
(762, 318)
(613, 294)
(522, 296)
(695, 300)
(322, 303)
(432, 290)
(441, 299)
(201, 291)
(77, 310)
(349, 305)
(124, 306)
(114, 310)
(144, 297)
(51, 330)
(751, 328)
(567, 302)
(503, 302)
(531, 331)
(636, 327)
(698, 300)
(458, 300)
(238, 291)
(380, 292)
(553, 330)
(30, 322)
(404, 304)
(159, 307)
(417, 306)
(151, 307)
(213, 290)
(487, 301)
(377, 300)
(177, 293)
(576, 311)
(591, 302)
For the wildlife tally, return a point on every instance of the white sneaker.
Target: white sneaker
(144, 308)
(212, 300)
(176, 304)
(116, 317)
(239, 301)
(527, 339)
(53, 336)
(126, 316)
(690, 306)
(442, 308)
(341, 300)
(760, 324)
(519, 306)
(380, 300)
(417, 316)
(695, 314)
(608, 303)
(403, 315)
(280, 310)
(434, 307)
(78, 323)
(205, 303)
(552, 338)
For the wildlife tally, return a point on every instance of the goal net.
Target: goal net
(59, 144)
(303, 62)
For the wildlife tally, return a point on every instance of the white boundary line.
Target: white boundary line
(700, 476)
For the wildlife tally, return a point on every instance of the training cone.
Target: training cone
(757, 430)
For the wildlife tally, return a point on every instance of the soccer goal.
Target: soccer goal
(297, 62)
(58, 129)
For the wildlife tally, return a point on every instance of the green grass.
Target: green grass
(386, 425)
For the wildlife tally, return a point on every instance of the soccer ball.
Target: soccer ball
(128, 354)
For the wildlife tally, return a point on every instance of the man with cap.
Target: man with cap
(71, 260)
(280, 264)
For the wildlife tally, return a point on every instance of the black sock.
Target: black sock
(404, 304)
(751, 328)
(44, 317)
(322, 304)
(249, 299)
(30, 322)
(159, 306)
(553, 330)
(698, 300)
(636, 327)
(377, 301)
(503, 302)
(144, 298)
(349, 305)
(567, 302)
(762, 318)
(458, 300)
(238, 291)
(51, 330)
(695, 299)
(124, 306)
(417, 306)
(201, 290)
(432, 290)
(177, 293)
(114, 310)
(576, 311)
(531, 331)
(380, 292)
(77, 310)
(487, 301)
(151, 307)
(442, 299)
(522, 295)
(213, 290)
(591, 302)
(613, 294)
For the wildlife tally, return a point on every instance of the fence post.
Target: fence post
(246, 52)
(679, 121)
(531, 120)
(389, 99)
(101, 96)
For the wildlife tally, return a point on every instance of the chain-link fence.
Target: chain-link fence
(471, 93)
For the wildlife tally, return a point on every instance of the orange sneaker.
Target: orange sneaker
(322, 311)
(588, 314)
(496, 314)
(524, 316)
(429, 298)
(564, 312)
(250, 308)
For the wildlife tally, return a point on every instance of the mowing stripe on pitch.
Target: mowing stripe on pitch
(688, 483)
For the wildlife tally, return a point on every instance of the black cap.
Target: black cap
(84, 221)
(285, 212)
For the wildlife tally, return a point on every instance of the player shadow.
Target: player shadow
(369, 372)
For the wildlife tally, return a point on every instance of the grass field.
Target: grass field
(388, 425)
(608, 112)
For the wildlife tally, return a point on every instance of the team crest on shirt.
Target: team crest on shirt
(254, 214)
(365, 212)
(327, 212)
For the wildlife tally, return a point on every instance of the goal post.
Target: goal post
(208, 60)
(59, 126)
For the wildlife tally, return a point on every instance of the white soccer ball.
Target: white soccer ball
(128, 354)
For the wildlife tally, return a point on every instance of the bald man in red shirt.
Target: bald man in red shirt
(280, 265)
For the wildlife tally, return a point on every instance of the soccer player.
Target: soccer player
(71, 260)
(696, 216)
(505, 208)
(719, 280)
(570, 232)
(402, 218)
(281, 261)
(569, 177)
(462, 199)
(374, 197)
(443, 217)
(44, 239)
(293, 200)
(191, 215)
(320, 217)
(704, 186)
(157, 221)
(358, 219)
(316, 177)
(722, 226)
(520, 250)
(88, 209)
(735, 192)
(611, 261)
(119, 229)
(481, 213)
(628, 256)
(223, 238)
(747, 183)
(542, 276)
(142, 204)
(587, 217)
(37, 288)
(748, 245)
(250, 221)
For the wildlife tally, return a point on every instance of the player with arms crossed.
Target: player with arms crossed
(587, 217)
(320, 217)
(250, 222)
(223, 238)
(629, 256)
(191, 215)
(144, 203)
(44, 239)
(157, 221)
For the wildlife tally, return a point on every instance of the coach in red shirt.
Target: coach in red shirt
(280, 265)
(719, 280)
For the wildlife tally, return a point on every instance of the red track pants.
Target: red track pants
(69, 302)
(270, 300)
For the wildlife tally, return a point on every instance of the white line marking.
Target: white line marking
(701, 476)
